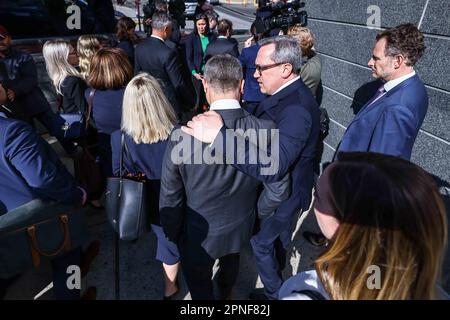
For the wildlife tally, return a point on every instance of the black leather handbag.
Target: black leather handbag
(38, 230)
(132, 201)
(76, 124)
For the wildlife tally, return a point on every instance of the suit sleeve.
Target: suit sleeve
(172, 197)
(243, 61)
(282, 152)
(137, 65)
(272, 196)
(115, 153)
(175, 74)
(39, 166)
(190, 53)
(235, 50)
(27, 75)
(394, 132)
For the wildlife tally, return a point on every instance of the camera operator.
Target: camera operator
(275, 17)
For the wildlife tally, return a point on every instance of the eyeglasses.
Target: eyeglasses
(260, 68)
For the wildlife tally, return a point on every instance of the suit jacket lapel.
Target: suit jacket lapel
(402, 85)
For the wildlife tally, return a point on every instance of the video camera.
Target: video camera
(279, 15)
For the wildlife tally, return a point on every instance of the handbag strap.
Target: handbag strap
(90, 103)
(125, 150)
(36, 252)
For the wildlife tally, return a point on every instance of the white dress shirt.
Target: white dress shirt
(388, 86)
(286, 84)
(156, 37)
(225, 104)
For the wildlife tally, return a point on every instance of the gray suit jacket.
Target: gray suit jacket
(212, 205)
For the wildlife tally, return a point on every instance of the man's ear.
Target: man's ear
(287, 71)
(399, 60)
(205, 85)
(241, 87)
(167, 30)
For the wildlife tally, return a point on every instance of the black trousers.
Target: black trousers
(197, 268)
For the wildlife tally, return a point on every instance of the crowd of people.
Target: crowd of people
(373, 206)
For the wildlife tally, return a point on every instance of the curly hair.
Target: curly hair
(305, 38)
(404, 39)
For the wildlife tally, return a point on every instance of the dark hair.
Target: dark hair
(123, 25)
(404, 39)
(256, 36)
(223, 26)
(201, 16)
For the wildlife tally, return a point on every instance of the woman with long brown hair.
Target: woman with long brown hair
(126, 37)
(387, 230)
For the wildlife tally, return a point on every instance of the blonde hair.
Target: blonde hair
(110, 69)
(147, 116)
(87, 46)
(56, 53)
(304, 37)
(391, 216)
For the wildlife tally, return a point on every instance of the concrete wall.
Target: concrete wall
(344, 43)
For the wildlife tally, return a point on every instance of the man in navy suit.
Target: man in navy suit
(390, 121)
(224, 42)
(30, 169)
(208, 208)
(294, 110)
(156, 58)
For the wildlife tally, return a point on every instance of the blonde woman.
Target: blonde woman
(387, 230)
(87, 46)
(147, 121)
(66, 79)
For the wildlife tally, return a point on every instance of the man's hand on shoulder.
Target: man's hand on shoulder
(204, 127)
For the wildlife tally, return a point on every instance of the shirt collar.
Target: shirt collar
(156, 37)
(388, 86)
(225, 104)
(286, 84)
(221, 37)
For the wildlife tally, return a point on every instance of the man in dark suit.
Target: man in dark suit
(156, 58)
(390, 121)
(26, 100)
(208, 207)
(224, 43)
(294, 110)
(30, 169)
